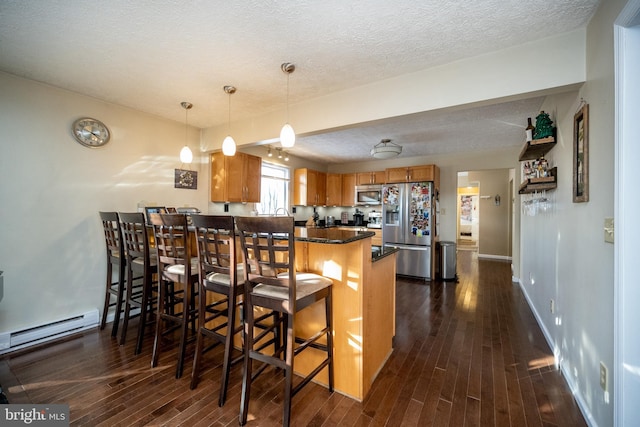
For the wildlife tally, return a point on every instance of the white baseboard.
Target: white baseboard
(559, 363)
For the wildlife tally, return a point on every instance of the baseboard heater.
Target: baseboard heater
(12, 341)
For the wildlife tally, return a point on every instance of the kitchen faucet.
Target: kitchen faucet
(284, 210)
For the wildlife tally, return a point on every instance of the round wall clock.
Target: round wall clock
(90, 132)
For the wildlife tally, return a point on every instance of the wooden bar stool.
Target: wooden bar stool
(115, 259)
(177, 281)
(140, 262)
(220, 295)
(272, 282)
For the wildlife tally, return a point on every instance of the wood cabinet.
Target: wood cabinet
(309, 187)
(375, 177)
(348, 189)
(235, 178)
(334, 189)
(377, 239)
(411, 174)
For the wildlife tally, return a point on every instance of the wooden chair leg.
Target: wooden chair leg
(195, 372)
(159, 310)
(248, 365)
(184, 327)
(127, 307)
(329, 318)
(144, 308)
(228, 348)
(107, 300)
(288, 358)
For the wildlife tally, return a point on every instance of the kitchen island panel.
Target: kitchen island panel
(363, 312)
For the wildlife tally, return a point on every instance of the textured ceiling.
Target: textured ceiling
(151, 55)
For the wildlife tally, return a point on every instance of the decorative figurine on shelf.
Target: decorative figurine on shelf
(544, 126)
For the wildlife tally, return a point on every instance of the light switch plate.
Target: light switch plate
(609, 230)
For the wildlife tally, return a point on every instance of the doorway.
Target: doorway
(468, 215)
(484, 213)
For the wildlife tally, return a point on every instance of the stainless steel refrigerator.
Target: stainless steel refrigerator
(407, 214)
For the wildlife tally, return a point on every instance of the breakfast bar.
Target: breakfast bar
(363, 304)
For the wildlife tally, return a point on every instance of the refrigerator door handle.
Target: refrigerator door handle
(410, 247)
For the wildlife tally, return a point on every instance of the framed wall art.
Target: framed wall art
(581, 155)
(186, 179)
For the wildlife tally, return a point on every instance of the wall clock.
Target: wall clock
(90, 132)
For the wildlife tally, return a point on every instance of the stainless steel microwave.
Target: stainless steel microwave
(368, 195)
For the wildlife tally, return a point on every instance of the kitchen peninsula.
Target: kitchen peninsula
(363, 304)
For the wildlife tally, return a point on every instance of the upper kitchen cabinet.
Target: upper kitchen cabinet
(334, 189)
(235, 178)
(412, 174)
(348, 189)
(375, 177)
(309, 187)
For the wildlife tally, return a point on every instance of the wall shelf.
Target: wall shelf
(537, 148)
(532, 185)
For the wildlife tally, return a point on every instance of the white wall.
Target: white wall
(52, 188)
(563, 254)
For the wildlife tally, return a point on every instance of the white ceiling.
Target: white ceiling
(150, 55)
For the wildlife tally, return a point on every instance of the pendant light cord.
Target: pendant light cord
(186, 125)
(288, 75)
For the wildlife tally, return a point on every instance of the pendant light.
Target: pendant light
(186, 156)
(287, 135)
(229, 145)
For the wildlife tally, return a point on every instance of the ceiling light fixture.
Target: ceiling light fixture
(385, 149)
(287, 135)
(186, 156)
(229, 145)
(281, 154)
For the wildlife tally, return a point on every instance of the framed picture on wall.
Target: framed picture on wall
(186, 179)
(581, 155)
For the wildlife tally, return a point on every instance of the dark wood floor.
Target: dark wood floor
(466, 354)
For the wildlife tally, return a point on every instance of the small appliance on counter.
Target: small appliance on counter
(329, 221)
(344, 218)
(358, 218)
(375, 220)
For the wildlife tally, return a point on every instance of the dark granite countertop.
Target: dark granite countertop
(331, 235)
(379, 252)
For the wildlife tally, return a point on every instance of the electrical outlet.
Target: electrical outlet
(603, 376)
(552, 306)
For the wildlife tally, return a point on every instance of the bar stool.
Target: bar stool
(271, 281)
(221, 284)
(176, 266)
(143, 264)
(115, 258)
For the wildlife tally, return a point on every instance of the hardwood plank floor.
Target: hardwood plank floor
(465, 354)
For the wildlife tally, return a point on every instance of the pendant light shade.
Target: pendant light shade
(287, 134)
(385, 149)
(229, 144)
(186, 156)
